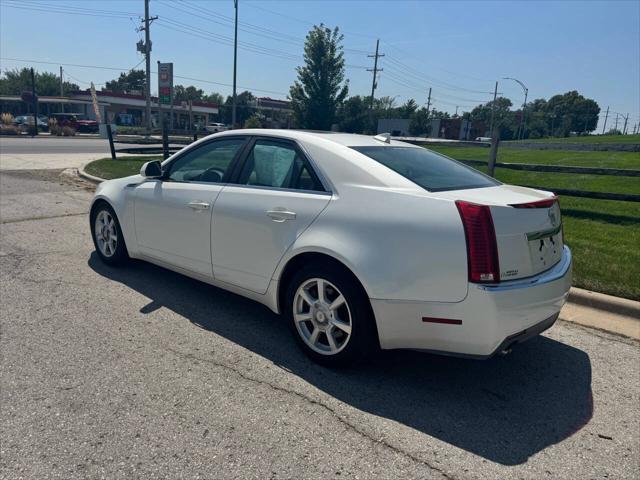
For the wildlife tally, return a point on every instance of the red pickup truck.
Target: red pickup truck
(77, 121)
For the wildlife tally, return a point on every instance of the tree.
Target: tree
(184, 94)
(420, 123)
(319, 90)
(214, 97)
(253, 121)
(353, 115)
(575, 112)
(408, 109)
(503, 118)
(244, 107)
(14, 82)
(127, 81)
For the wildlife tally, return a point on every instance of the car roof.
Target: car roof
(345, 139)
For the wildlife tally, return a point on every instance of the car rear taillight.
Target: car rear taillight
(482, 249)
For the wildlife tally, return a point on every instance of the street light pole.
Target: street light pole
(523, 121)
(235, 65)
(147, 58)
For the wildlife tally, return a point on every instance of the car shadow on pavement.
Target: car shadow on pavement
(505, 409)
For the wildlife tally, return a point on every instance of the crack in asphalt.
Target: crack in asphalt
(30, 219)
(308, 399)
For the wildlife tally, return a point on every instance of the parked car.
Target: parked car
(26, 121)
(80, 123)
(360, 242)
(216, 127)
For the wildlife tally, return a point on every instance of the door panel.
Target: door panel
(173, 215)
(252, 228)
(173, 222)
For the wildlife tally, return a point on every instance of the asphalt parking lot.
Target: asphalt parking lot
(141, 372)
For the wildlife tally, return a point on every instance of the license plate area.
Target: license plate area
(545, 249)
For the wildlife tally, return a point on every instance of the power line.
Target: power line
(406, 69)
(48, 9)
(457, 74)
(120, 69)
(305, 22)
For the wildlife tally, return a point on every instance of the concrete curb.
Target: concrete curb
(88, 176)
(607, 303)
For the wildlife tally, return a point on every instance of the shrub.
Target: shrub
(253, 122)
(6, 119)
(54, 128)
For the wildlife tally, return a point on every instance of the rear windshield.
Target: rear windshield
(432, 171)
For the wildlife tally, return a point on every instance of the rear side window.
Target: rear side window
(432, 171)
(279, 165)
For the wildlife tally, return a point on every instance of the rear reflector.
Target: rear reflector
(546, 203)
(482, 250)
(446, 321)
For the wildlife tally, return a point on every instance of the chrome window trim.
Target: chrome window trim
(558, 271)
(279, 189)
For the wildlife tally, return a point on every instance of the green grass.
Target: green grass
(588, 139)
(604, 235)
(108, 169)
(603, 159)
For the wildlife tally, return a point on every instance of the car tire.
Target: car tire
(107, 235)
(350, 323)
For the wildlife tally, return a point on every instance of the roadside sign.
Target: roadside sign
(165, 83)
(94, 102)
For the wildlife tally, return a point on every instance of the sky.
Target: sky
(459, 49)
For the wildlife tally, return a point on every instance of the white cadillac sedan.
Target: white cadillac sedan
(360, 242)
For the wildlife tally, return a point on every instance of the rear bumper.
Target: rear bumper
(490, 319)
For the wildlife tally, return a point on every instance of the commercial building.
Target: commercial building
(115, 107)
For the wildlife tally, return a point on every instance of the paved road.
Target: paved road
(46, 152)
(140, 372)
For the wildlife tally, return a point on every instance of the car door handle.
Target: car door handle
(281, 215)
(198, 205)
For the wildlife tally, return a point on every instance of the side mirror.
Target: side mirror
(151, 169)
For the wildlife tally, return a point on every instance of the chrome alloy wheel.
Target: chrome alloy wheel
(322, 316)
(106, 233)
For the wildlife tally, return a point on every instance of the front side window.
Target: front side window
(208, 163)
(430, 170)
(279, 165)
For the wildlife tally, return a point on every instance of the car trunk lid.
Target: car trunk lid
(527, 226)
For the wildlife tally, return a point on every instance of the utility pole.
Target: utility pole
(235, 66)
(493, 108)
(374, 84)
(606, 115)
(429, 103)
(524, 113)
(624, 129)
(35, 102)
(616, 127)
(147, 54)
(456, 110)
(61, 91)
